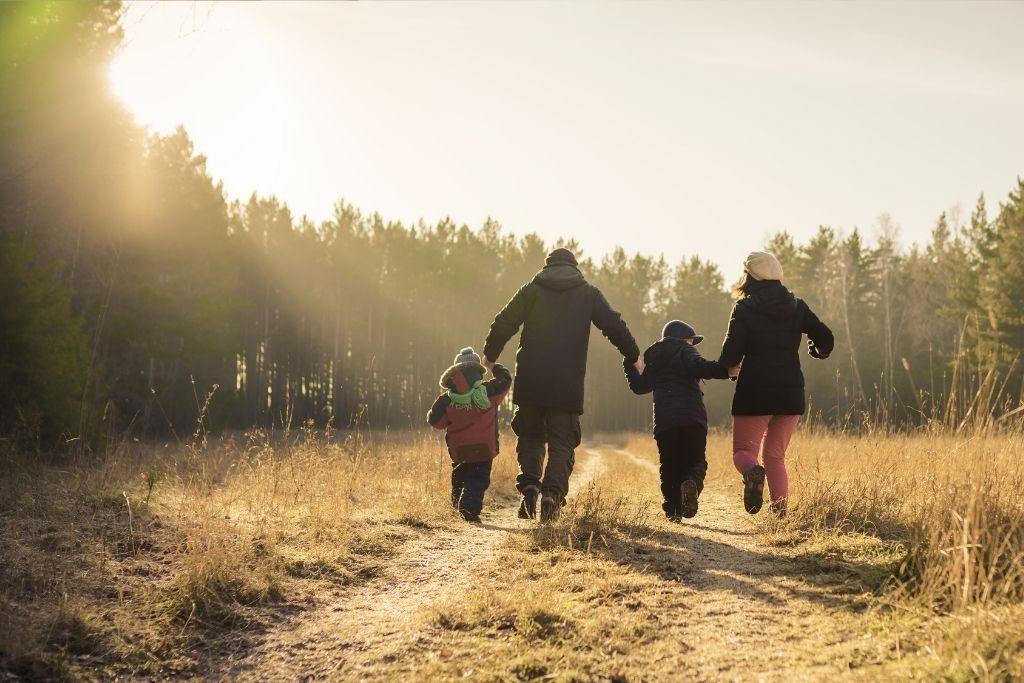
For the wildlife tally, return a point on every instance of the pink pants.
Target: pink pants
(776, 431)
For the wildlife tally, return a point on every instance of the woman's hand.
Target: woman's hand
(734, 372)
(639, 365)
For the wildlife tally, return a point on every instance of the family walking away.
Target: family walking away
(555, 311)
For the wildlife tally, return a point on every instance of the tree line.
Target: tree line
(136, 296)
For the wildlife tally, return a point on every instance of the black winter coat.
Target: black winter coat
(555, 310)
(673, 370)
(764, 333)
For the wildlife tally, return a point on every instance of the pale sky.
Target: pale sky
(674, 128)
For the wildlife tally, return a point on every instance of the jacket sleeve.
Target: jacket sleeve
(506, 323)
(820, 340)
(438, 415)
(700, 367)
(614, 327)
(639, 382)
(734, 348)
(498, 385)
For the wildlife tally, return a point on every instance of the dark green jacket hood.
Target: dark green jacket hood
(559, 276)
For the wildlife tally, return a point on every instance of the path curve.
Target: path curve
(349, 633)
(750, 611)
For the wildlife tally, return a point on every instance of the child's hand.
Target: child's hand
(639, 365)
(487, 363)
(734, 372)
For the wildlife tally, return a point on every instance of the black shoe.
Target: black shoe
(779, 509)
(470, 516)
(528, 506)
(689, 493)
(753, 489)
(673, 517)
(549, 509)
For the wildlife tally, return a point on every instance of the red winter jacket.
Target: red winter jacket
(472, 433)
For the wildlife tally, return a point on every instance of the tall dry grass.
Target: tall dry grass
(931, 522)
(128, 561)
(954, 502)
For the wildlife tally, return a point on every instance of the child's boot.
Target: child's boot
(689, 494)
(671, 508)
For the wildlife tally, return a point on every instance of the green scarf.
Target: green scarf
(476, 396)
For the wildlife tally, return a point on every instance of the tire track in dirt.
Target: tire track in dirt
(350, 633)
(750, 611)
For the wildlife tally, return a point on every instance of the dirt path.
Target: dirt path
(354, 633)
(748, 611)
(730, 607)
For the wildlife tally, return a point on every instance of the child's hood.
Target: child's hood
(662, 352)
(461, 378)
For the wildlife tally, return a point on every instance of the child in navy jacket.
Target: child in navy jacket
(673, 368)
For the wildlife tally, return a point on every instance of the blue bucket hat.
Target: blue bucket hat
(677, 329)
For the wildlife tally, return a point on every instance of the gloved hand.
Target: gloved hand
(814, 352)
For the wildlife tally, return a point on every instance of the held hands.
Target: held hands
(734, 372)
(639, 365)
(487, 363)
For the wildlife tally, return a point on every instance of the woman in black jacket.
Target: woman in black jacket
(673, 368)
(765, 331)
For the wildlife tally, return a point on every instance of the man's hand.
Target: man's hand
(639, 365)
(734, 372)
(487, 363)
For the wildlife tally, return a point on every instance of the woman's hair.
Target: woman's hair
(743, 287)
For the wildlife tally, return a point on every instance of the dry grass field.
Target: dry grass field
(304, 555)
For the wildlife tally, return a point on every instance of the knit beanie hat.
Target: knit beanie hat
(677, 329)
(561, 255)
(467, 355)
(762, 266)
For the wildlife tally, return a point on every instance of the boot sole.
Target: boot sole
(753, 489)
(689, 497)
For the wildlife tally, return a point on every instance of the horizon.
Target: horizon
(878, 109)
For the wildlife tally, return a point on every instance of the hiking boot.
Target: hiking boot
(470, 516)
(528, 506)
(549, 509)
(753, 489)
(689, 493)
(779, 509)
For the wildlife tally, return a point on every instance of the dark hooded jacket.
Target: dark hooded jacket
(764, 333)
(555, 310)
(673, 370)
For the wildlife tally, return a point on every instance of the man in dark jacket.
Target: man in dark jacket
(555, 310)
(673, 368)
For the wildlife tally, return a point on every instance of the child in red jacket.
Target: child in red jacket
(468, 410)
